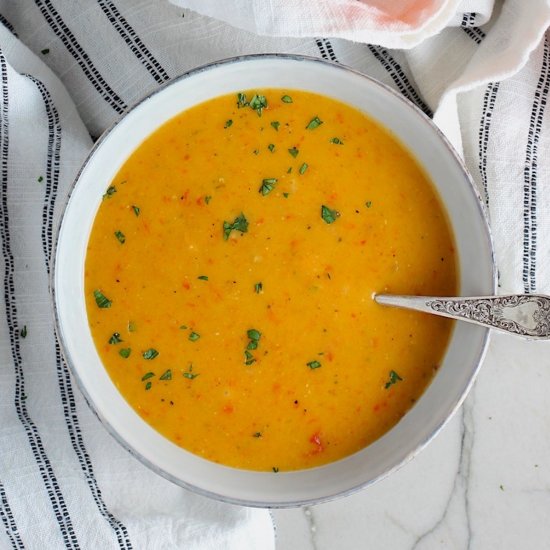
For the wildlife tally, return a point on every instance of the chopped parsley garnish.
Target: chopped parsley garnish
(147, 376)
(336, 141)
(115, 338)
(45, 51)
(258, 103)
(207, 199)
(275, 124)
(368, 204)
(258, 287)
(271, 147)
(275, 469)
(131, 326)
(256, 151)
(294, 152)
(190, 375)
(23, 332)
(183, 327)
(393, 379)
(313, 364)
(125, 352)
(289, 170)
(303, 168)
(120, 236)
(203, 277)
(136, 210)
(40, 179)
(257, 434)
(328, 215)
(150, 354)
(254, 334)
(148, 386)
(285, 195)
(249, 358)
(228, 123)
(101, 300)
(194, 336)
(267, 186)
(166, 376)
(239, 224)
(314, 123)
(111, 190)
(286, 99)
(241, 100)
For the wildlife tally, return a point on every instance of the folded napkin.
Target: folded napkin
(69, 69)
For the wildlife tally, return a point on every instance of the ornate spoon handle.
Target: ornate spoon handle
(523, 314)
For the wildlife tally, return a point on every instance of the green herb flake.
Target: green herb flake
(228, 124)
(286, 99)
(115, 338)
(393, 379)
(183, 327)
(125, 352)
(267, 186)
(289, 170)
(257, 434)
(241, 100)
(303, 168)
(23, 332)
(45, 51)
(336, 141)
(190, 375)
(271, 147)
(40, 179)
(136, 210)
(285, 195)
(147, 376)
(194, 336)
(120, 236)
(111, 190)
(328, 215)
(252, 345)
(203, 277)
(254, 334)
(258, 103)
(166, 376)
(132, 326)
(275, 469)
(313, 365)
(101, 300)
(275, 124)
(150, 354)
(368, 204)
(239, 224)
(148, 386)
(256, 151)
(294, 152)
(207, 199)
(315, 122)
(249, 358)
(258, 287)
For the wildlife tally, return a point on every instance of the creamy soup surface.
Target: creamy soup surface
(230, 272)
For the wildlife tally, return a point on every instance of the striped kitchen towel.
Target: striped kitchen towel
(69, 69)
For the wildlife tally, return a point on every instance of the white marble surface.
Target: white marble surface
(482, 483)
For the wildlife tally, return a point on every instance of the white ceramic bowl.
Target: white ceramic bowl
(476, 278)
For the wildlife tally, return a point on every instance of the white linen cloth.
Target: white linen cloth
(68, 69)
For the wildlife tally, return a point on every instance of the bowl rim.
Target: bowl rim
(487, 236)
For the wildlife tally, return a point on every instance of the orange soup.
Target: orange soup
(230, 275)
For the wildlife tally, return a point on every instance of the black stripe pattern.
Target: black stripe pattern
(49, 479)
(8, 520)
(530, 175)
(134, 42)
(489, 100)
(63, 376)
(399, 77)
(62, 31)
(8, 25)
(468, 26)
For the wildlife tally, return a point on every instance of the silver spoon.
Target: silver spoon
(523, 314)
